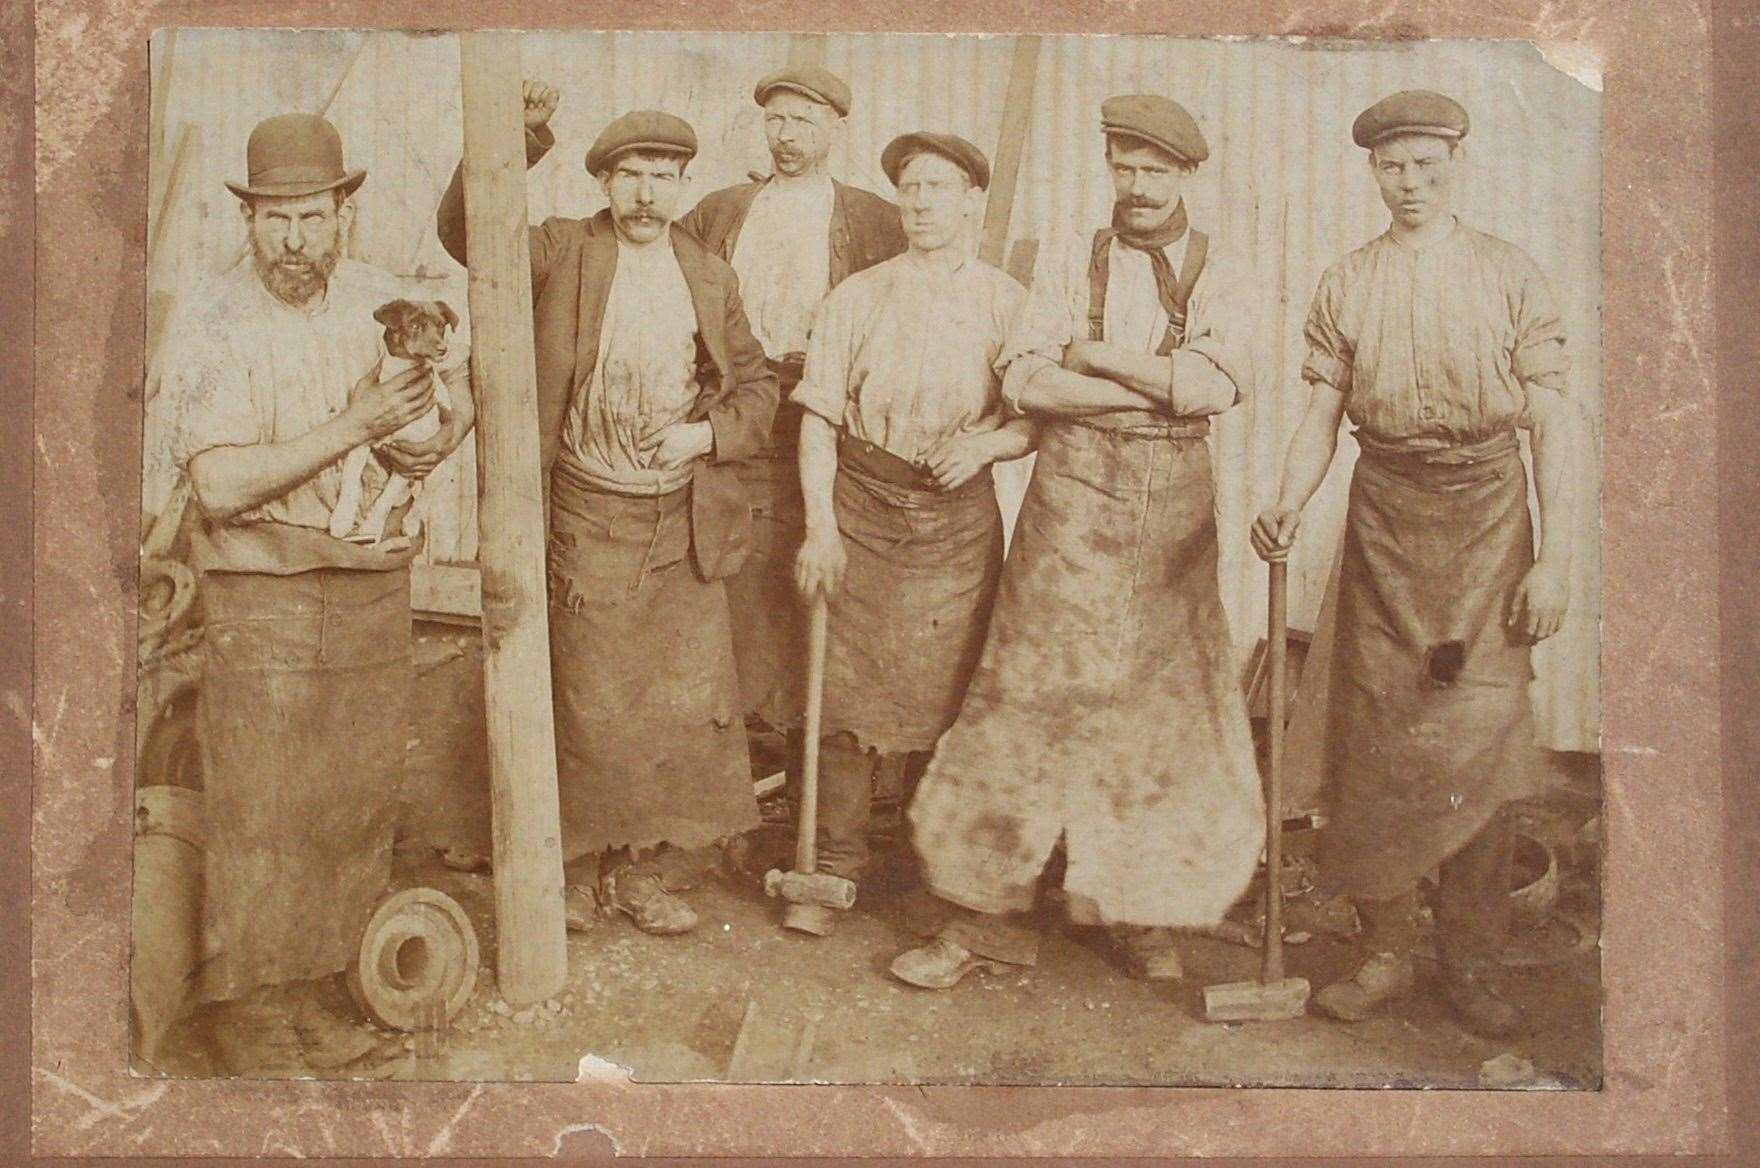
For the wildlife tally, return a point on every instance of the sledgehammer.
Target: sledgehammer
(1273, 997)
(811, 894)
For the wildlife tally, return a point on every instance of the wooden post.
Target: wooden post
(531, 954)
(1017, 111)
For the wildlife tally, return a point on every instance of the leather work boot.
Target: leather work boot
(254, 1036)
(941, 964)
(1149, 954)
(1380, 980)
(328, 1039)
(580, 907)
(644, 899)
(1477, 1005)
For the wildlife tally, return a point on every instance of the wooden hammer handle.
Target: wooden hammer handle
(805, 857)
(1276, 649)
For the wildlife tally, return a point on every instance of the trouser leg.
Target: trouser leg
(846, 784)
(1390, 925)
(1472, 903)
(1010, 937)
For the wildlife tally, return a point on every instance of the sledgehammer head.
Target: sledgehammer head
(1256, 1001)
(820, 888)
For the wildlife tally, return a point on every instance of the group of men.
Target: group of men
(797, 391)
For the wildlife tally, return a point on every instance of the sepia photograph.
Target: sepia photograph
(869, 558)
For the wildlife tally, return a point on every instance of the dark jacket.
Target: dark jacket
(865, 228)
(573, 261)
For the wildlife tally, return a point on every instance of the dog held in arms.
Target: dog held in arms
(415, 334)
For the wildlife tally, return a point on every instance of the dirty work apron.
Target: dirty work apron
(908, 621)
(1430, 729)
(769, 621)
(303, 734)
(1107, 707)
(650, 745)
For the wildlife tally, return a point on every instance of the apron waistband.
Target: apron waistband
(865, 460)
(1459, 454)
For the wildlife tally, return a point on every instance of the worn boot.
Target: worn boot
(327, 1037)
(254, 1036)
(580, 907)
(1477, 1005)
(643, 898)
(1380, 980)
(941, 964)
(1148, 954)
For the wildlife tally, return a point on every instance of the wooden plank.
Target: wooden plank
(1017, 111)
(531, 958)
(446, 591)
(163, 51)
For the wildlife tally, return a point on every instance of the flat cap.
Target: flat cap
(821, 85)
(951, 147)
(641, 130)
(1411, 111)
(1157, 120)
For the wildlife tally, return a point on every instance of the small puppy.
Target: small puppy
(415, 334)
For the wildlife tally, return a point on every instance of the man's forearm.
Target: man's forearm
(1016, 438)
(1184, 383)
(1312, 448)
(818, 454)
(229, 480)
(1060, 393)
(1557, 435)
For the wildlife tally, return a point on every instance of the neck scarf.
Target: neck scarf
(1155, 244)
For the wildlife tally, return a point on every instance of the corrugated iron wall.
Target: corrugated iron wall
(1284, 184)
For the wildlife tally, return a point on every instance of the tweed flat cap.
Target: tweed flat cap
(1158, 120)
(1412, 111)
(951, 147)
(294, 154)
(821, 85)
(641, 130)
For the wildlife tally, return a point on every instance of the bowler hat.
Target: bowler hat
(1411, 111)
(951, 147)
(641, 130)
(292, 155)
(821, 85)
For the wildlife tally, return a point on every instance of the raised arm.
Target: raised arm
(449, 219)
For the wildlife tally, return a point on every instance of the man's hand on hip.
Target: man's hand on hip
(956, 460)
(679, 443)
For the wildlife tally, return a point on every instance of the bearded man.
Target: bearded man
(307, 640)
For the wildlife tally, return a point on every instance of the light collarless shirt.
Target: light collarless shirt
(903, 354)
(783, 258)
(644, 379)
(1435, 346)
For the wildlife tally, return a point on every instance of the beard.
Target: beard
(295, 281)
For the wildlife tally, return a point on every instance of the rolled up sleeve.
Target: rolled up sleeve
(824, 387)
(1040, 328)
(1330, 356)
(212, 403)
(1539, 357)
(1213, 370)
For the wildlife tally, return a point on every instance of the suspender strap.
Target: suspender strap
(1100, 268)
